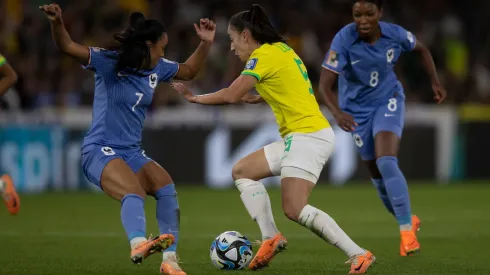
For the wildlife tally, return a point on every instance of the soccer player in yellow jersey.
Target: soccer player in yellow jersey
(8, 77)
(281, 79)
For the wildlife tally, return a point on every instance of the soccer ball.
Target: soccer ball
(231, 251)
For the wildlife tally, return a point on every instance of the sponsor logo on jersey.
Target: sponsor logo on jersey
(390, 55)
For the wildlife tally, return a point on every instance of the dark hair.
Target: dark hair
(134, 53)
(257, 21)
(378, 3)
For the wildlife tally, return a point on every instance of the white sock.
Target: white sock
(2, 186)
(326, 228)
(258, 204)
(135, 241)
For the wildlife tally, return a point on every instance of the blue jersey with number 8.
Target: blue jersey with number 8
(121, 100)
(366, 76)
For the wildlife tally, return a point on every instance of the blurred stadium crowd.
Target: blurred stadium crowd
(455, 32)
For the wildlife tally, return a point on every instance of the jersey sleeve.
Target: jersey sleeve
(336, 58)
(407, 39)
(3, 61)
(167, 70)
(98, 60)
(258, 66)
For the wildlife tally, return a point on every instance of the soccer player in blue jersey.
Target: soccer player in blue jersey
(111, 154)
(371, 102)
(8, 78)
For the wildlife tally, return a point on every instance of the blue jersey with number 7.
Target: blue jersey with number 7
(121, 100)
(366, 76)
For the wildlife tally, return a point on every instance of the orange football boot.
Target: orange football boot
(170, 265)
(409, 245)
(151, 246)
(361, 263)
(268, 249)
(9, 194)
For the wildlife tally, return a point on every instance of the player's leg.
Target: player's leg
(9, 194)
(377, 180)
(157, 182)
(247, 172)
(387, 131)
(107, 169)
(304, 157)
(364, 140)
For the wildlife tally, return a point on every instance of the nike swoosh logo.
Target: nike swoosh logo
(355, 62)
(388, 115)
(359, 267)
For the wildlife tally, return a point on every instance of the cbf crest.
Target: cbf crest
(153, 80)
(390, 55)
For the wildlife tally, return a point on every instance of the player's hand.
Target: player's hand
(439, 92)
(252, 99)
(52, 11)
(183, 90)
(206, 30)
(345, 121)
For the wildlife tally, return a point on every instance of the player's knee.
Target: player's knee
(386, 164)
(292, 210)
(239, 171)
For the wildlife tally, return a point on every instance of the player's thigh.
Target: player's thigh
(388, 127)
(118, 180)
(263, 163)
(306, 154)
(100, 165)
(153, 177)
(363, 139)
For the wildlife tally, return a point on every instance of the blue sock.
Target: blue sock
(380, 186)
(133, 216)
(396, 188)
(168, 213)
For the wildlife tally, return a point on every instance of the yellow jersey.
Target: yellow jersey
(284, 84)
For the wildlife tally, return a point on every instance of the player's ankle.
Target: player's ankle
(405, 227)
(134, 242)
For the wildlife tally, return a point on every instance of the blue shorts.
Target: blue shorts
(388, 117)
(95, 160)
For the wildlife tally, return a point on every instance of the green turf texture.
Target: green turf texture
(81, 233)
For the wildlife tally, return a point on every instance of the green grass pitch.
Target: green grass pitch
(80, 233)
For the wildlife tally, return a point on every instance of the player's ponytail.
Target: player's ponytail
(257, 21)
(134, 52)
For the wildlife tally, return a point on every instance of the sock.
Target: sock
(378, 183)
(326, 228)
(133, 218)
(135, 241)
(258, 204)
(168, 213)
(2, 186)
(397, 190)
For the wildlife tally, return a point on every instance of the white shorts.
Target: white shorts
(301, 155)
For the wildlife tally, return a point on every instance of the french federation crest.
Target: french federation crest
(153, 80)
(390, 55)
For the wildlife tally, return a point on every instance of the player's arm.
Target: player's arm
(62, 38)
(252, 99)
(327, 79)
(8, 77)
(429, 66)
(233, 94)
(191, 67)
